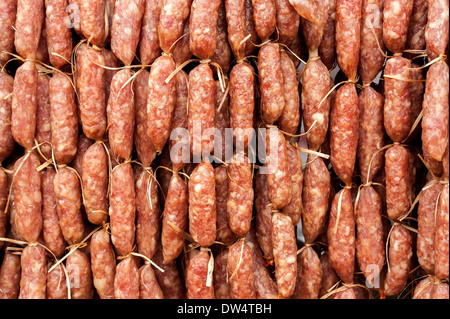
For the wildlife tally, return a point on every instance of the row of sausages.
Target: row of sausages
(139, 111)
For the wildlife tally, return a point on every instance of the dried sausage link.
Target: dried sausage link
(341, 236)
(396, 17)
(202, 204)
(240, 271)
(285, 254)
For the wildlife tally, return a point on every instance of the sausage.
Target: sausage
(428, 204)
(341, 236)
(309, 275)
(10, 276)
(174, 14)
(29, 23)
(56, 283)
(221, 283)
(6, 138)
(203, 28)
(435, 110)
(264, 18)
(83, 144)
(148, 284)
(43, 130)
(397, 181)
(440, 291)
(348, 33)
(242, 104)
(92, 105)
(315, 86)
(103, 264)
(285, 254)
(400, 263)
(92, 20)
(181, 49)
(423, 289)
(68, 204)
(224, 232)
(436, 29)
(222, 119)
(344, 132)
(263, 215)
(415, 39)
(371, 59)
(313, 31)
(271, 82)
(240, 194)
(161, 101)
(59, 36)
(33, 277)
(290, 117)
(73, 9)
(240, 271)
(348, 293)
(315, 197)
(144, 146)
(202, 205)
(149, 48)
(51, 229)
(201, 110)
(371, 133)
(264, 284)
(175, 212)
(64, 118)
(120, 112)
(236, 22)
(125, 29)
(171, 282)
(12, 211)
(294, 208)
(441, 239)
(329, 276)
(28, 197)
(24, 104)
(370, 253)
(327, 48)
(222, 53)
(396, 17)
(197, 275)
(287, 21)
(8, 9)
(95, 183)
(78, 268)
(179, 124)
(279, 183)
(126, 281)
(122, 208)
(397, 103)
(429, 288)
(307, 9)
(148, 214)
